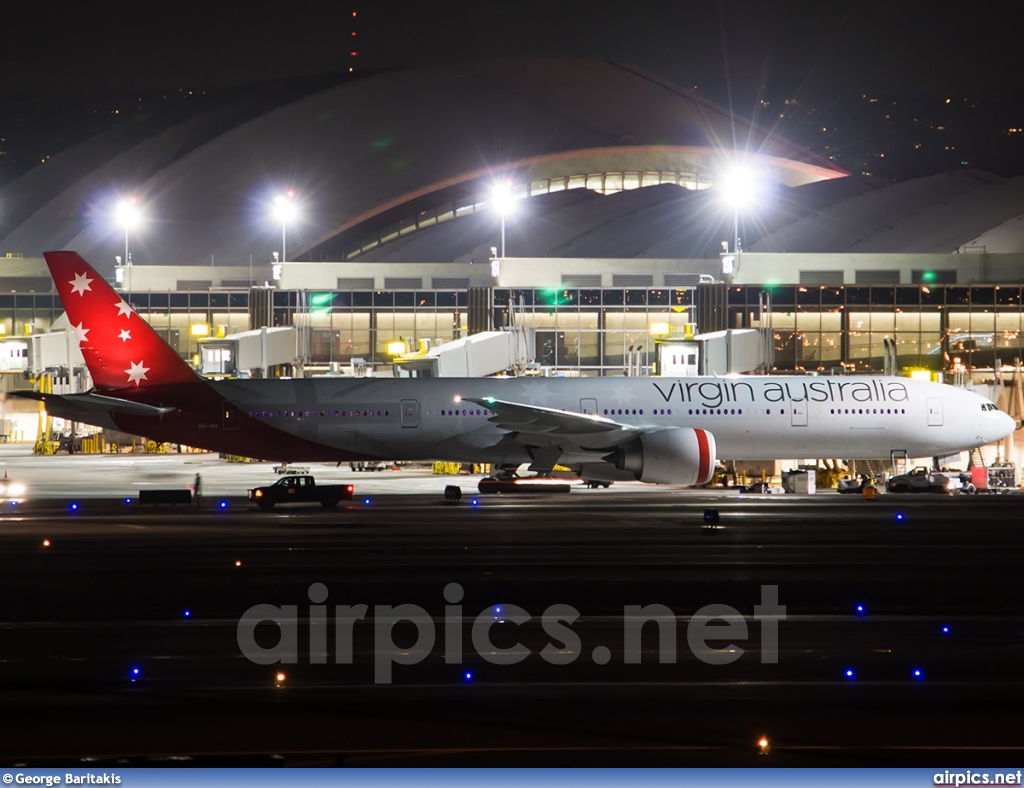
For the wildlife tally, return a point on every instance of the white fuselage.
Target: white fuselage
(752, 418)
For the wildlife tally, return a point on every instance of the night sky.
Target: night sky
(895, 89)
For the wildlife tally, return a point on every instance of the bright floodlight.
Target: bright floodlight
(286, 212)
(285, 209)
(129, 217)
(128, 214)
(738, 187)
(502, 198)
(503, 201)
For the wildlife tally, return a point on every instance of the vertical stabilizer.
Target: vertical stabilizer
(121, 350)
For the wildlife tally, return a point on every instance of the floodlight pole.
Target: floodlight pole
(127, 260)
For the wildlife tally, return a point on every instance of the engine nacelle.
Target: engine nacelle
(671, 456)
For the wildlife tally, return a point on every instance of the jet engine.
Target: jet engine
(677, 455)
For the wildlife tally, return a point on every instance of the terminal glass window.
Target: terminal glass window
(682, 297)
(1008, 333)
(589, 349)
(352, 334)
(676, 321)
(590, 319)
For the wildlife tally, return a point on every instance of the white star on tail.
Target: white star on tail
(137, 373)
(123, 308)
(125, 335)
(80, 284)
(80, 333)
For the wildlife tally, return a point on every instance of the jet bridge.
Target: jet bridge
(238, 355)
(715, 353)
(475, 356)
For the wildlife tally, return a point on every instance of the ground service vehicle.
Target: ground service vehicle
(300, 489)
(854, 486)
(923, 480)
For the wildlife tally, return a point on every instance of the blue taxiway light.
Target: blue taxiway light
(127, 500)
(366, 501)
(73, 507)
(188, 613)
(918, 673)
(14, 503)
(946, 630)
(899, 516)
(861, 610)
(467, 676)
(497, 609)
(222, 505)
(849, 673)
(474, 502)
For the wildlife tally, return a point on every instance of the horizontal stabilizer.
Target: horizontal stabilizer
(78, 406)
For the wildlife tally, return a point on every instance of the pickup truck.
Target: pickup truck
(300, 489)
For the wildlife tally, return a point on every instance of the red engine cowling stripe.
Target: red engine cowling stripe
(704, 466)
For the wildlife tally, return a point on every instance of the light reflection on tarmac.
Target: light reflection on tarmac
(109, 590)
(116, 475)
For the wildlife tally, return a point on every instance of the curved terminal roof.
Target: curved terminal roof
(942, 214)
(397, 167)
(375, 151)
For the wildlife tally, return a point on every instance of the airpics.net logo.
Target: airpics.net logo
(716, 622)
(968, 777)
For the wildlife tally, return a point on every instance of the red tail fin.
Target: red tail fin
(120, 348)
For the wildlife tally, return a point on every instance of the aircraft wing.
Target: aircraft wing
(536, 424)
(91, 408)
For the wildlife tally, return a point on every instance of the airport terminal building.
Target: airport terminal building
(586, 320)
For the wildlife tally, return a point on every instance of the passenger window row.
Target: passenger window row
(307, 414)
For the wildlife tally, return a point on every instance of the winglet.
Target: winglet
(121, 350)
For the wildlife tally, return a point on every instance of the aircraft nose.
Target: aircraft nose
(1007, 425)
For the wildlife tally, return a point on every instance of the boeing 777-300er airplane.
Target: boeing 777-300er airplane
(662, 430)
